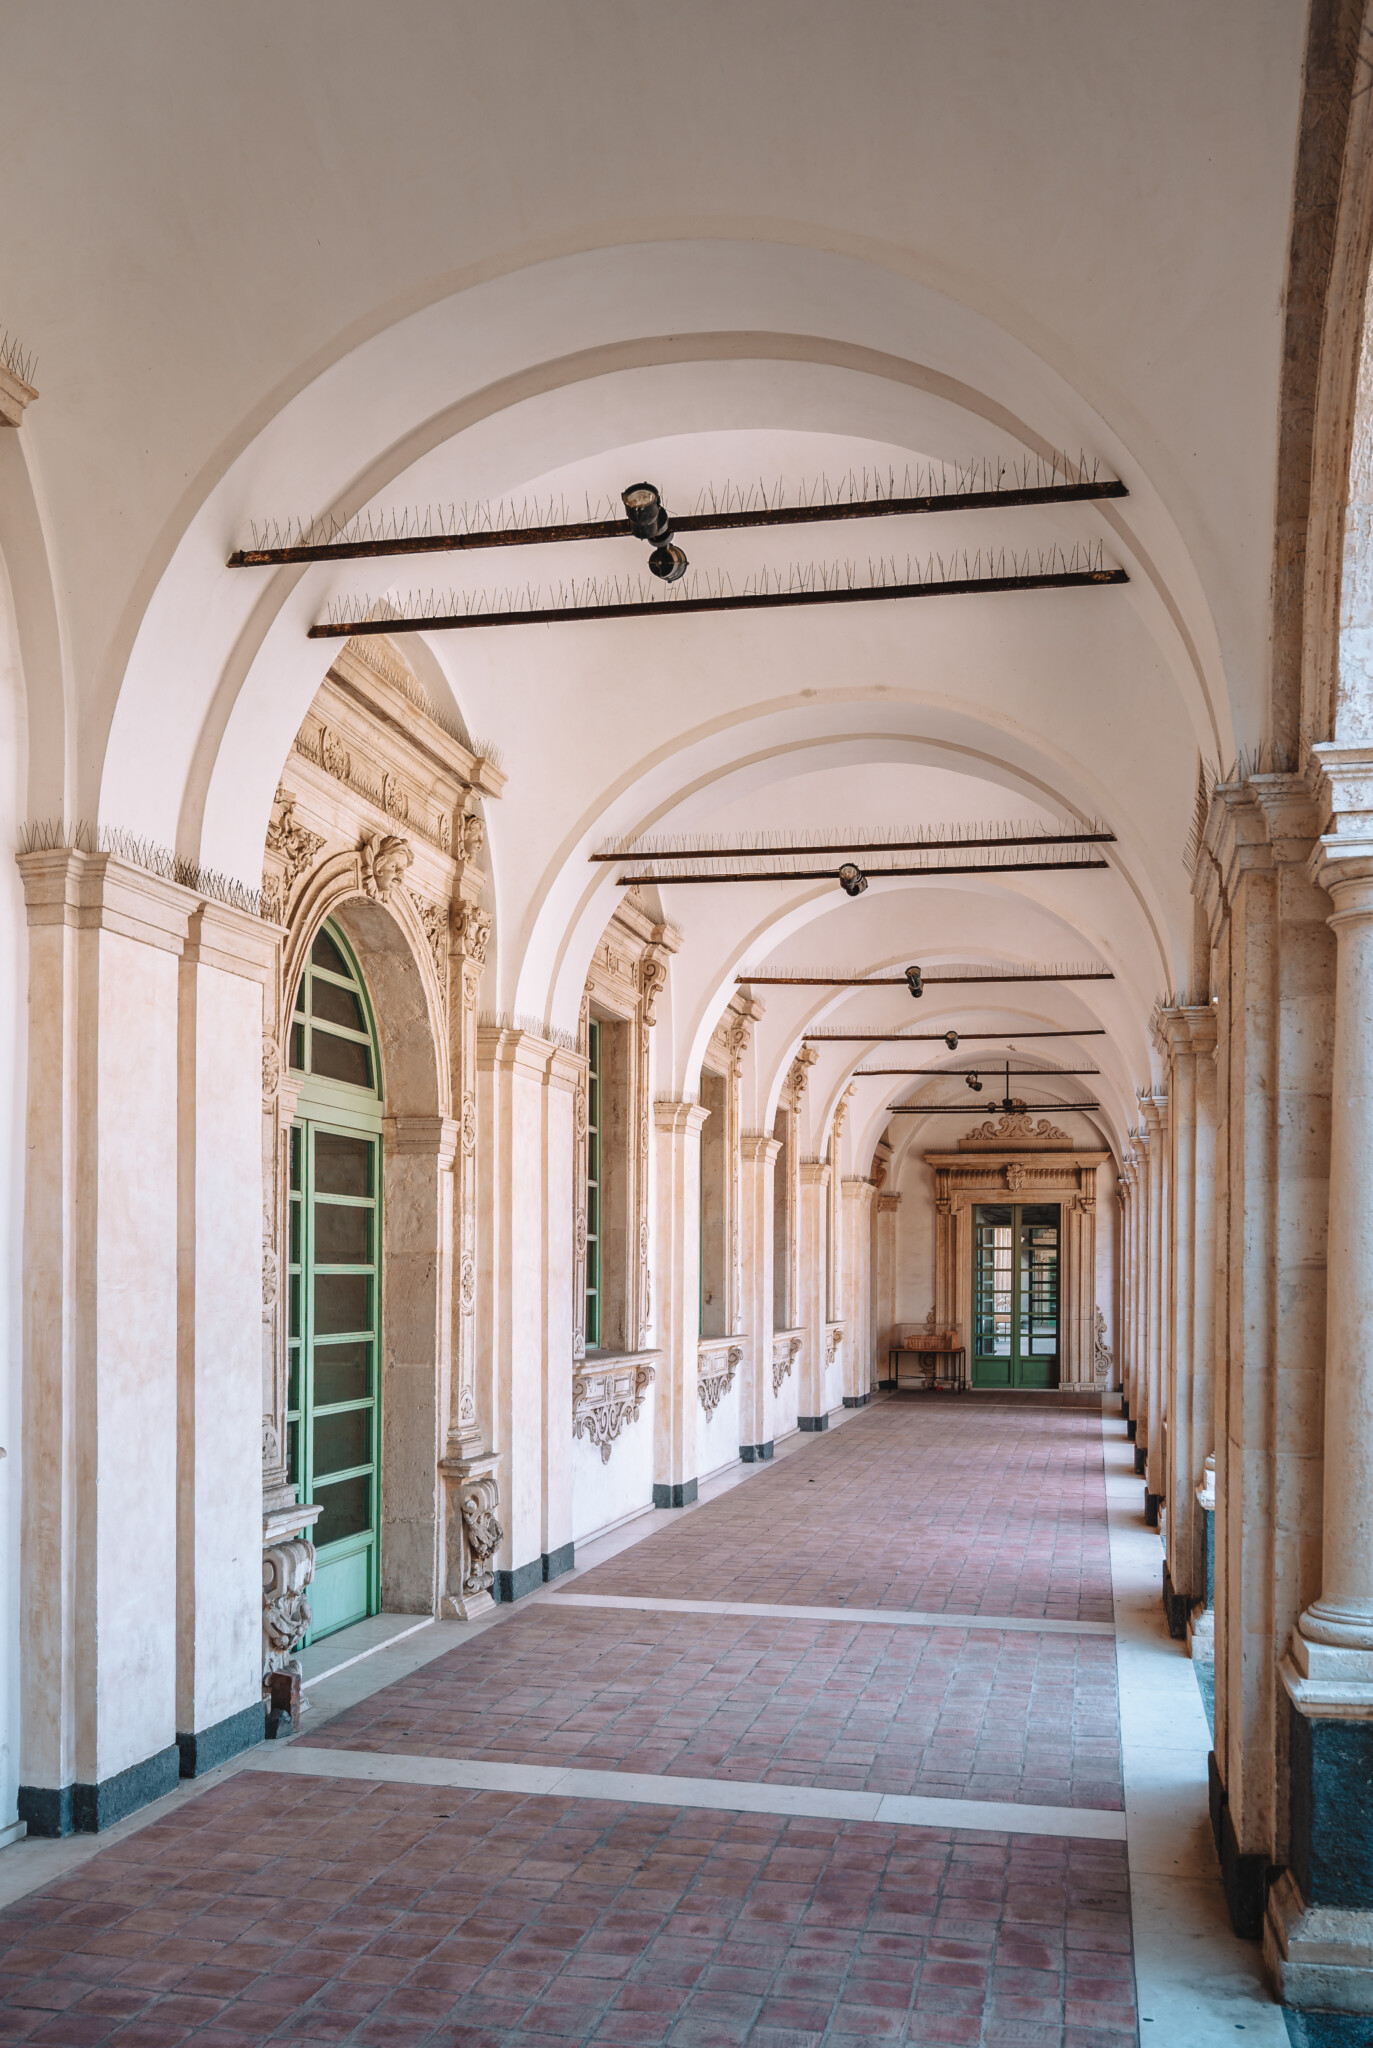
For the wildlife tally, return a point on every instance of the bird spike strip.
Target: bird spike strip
(1021, 866)
(802, 583)
(928, 980)
(868, 494)
(958, 1073)
(696, 847)
(824, 1037)
(980, 1109)
(16, 359)
(51, 835)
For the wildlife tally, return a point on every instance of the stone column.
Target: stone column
(1155, 1110)
(860, 1371)
(884, 1276)
(1318, 1934)
(757, 1155)
(226, 1275)
(810, 1315)
(523, 1286)
(1139, 1404)
(678, 1248)
(1201, 1569)
(1179, 1479)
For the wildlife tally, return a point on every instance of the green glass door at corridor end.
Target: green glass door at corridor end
(1015, 1294)
(334, 1283)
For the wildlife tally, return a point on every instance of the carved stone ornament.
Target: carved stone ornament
(1103, 1364)
(481, 1534)
(435, 923)
(471, 836)
(269, 1276)
(271, 1445)
(271, 1069)
(271, 900)
(785, 1353)
(384, 859)
(652, 981)
(737, 1042)
(469, 1123)
(832, 1342)
(295, 844)
(797, 1075)
(471, 931)
(393, 799)
(467, 1283)
(715, 1376)
(605, 1400)
(1015, 1176)
(287, 1569)
(334, 756)
(1018, 1125)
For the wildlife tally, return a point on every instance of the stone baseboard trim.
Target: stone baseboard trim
(208, 1747)
(510, 1586)
(812, 1422)
(1177, 1608)
(88, 1809)
(1152, 1503)
(857, 1400)
(1244, 1877)
(556, 1562)
(756, 1454)
(1141, 1454)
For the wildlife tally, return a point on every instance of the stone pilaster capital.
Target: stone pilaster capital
(423, 1137)
(758, 1148)
(887, 1205)
(814, 1172)
(679, 1119)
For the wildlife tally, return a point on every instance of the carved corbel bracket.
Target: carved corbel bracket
(287, 1569)
(472, 1534)
(606, 1398)
(785, 1352)
(715, 1375)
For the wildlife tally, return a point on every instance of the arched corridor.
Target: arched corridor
(686, 730)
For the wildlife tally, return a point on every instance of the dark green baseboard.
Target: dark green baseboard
(208, 1747)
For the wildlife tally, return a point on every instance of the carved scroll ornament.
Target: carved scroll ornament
(785, 1353)
(1018, 1125)
(287, 1569)
(605, 1400)
(715, 1376)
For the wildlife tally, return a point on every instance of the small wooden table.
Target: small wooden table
(943, 1346)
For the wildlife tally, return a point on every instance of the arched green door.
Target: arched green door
(334, 1339)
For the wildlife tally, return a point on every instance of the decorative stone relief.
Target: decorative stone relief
(798, 1073)
(833, 1340)
(1102, 1361)
(334, 757)
(269, 1275)
(383, 859)
(606, 1399)
(1018, 1125)
(272, 911)
(481, 1534)
(471, 836)
(469, 1123)
(473, 1532)
(435, 923)
(785, 1353)
(652, 981)
(715, 1376)
(271, 1069)
(292, 842)
(467, 1283)
(1015, 1176)
(472, 931)
(287, 1569)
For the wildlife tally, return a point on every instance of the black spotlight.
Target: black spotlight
(915, 982)
(667, 562)
(852, 880)
(646, 512)
(951, 1040)
(974, 1084)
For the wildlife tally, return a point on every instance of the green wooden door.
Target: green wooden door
(1015, 1294)
(334, 1337)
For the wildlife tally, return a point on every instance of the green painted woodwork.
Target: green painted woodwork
(334, 1282)
(1015, 1295)
(593, 1186)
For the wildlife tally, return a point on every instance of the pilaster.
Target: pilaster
(812, 1411)
(677, 1411)
(757, 1161)
(860, 1366)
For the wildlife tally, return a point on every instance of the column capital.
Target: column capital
(758, 1148)
(679, 1119)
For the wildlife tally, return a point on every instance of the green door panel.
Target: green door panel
(1015, 1294)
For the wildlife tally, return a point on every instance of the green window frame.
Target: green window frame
(593, 1185)
(334, 1282)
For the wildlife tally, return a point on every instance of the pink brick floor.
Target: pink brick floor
(959, 1507)
(303, 1911)
(989, 1715)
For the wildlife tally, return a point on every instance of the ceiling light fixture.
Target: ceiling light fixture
(951, 1040)
(975, 1084)
(915, 982)
(649, 520)
(852, 880)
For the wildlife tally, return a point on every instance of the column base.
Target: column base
(1141, 1453)
(1320, 1959)
(87, 1809)
(812, 1422)
(1152, 1504)
(1176, 1608)
(756, 1454)
(857, 1400)
(1244, 1877)
(679, 1495)
(209, 1747)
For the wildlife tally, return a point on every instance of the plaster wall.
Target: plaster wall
(604, 1493)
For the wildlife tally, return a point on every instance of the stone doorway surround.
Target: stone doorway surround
(1020, 1158)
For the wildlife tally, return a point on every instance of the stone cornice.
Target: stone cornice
(101, 892)
(15, 395)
